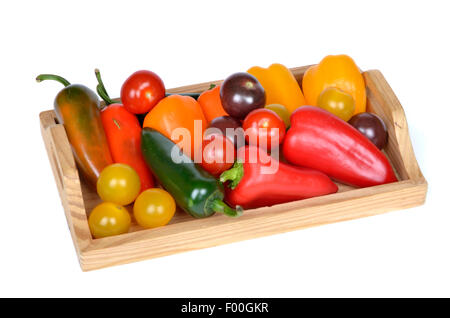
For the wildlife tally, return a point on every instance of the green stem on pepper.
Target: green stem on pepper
(234, 174)
(101, 90)
(44, 77)
(220, 207)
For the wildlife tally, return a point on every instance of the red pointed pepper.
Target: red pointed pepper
(123, 133)
(319, 140)
(251, 188)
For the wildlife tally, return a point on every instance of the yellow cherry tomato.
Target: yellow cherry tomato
(109, 219)
(154, 207)
(118, 183)
(337, 102)
(281, 111)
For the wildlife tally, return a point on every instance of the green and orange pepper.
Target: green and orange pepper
(78, 108)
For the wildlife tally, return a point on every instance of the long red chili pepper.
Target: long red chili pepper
(123, 133)
(319, 140)
(250, 187)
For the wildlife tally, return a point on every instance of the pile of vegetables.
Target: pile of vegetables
(125, 148)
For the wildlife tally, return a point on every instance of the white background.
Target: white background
(403, 253)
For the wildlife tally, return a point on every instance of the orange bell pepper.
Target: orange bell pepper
(211, 105)
(335, 71)
(280, 85)
(176, 111)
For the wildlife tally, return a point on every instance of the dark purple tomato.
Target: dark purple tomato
(236, 134)
(241, 93)
(371, 126)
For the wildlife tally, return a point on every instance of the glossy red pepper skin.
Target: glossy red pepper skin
(288, 183)
(320, 140)
(123, 133)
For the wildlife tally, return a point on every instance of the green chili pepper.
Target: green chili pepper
(194, 190)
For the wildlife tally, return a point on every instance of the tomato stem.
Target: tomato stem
(234, 174)
(220, 207)
(53, 77)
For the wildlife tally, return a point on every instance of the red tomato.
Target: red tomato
(263, 127)
(142, 91)
(218, 154)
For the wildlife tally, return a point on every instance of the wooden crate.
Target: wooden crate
(185, 233)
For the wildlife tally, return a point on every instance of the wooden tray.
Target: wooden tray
(185, 233)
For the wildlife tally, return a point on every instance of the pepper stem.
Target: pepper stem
(234, 174)
(101, 90)
(53, 77)
(211, 86)
(220, 207)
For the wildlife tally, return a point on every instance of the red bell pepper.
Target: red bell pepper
(320, 140)
(251, 188)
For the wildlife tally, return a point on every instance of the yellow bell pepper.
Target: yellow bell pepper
(338, 71)
(280, 85)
